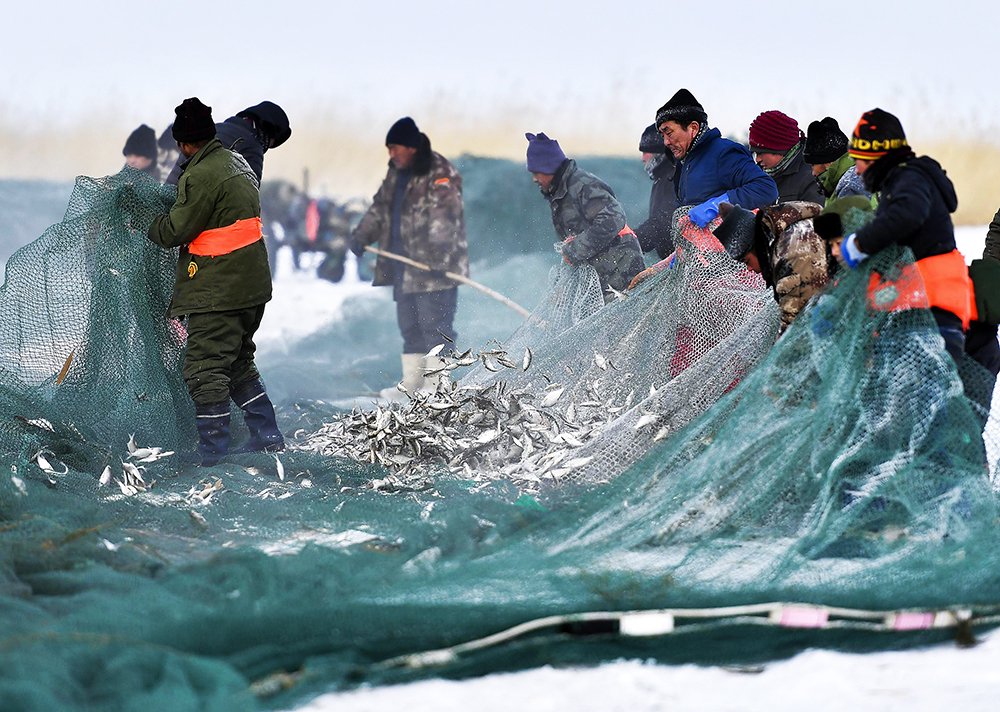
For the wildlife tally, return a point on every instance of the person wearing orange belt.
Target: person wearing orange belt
(222, 283)
(588, 219)
(915, 205)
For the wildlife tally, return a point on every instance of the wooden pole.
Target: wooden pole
(451, 275)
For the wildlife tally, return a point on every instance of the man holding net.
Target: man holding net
(223, 281)
(588, 219)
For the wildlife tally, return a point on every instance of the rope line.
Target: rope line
(663, 621)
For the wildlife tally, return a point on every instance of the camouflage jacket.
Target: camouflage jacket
(797, 256)
(432, 227)
(584, 207)
(216, 189)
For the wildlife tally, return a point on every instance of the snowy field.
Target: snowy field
(928, 679)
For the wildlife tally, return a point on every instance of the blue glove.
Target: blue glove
(851, 253)
(702, 215)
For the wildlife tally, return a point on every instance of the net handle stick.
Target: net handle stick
(452, 276)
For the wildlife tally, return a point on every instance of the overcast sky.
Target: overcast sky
(477, 75)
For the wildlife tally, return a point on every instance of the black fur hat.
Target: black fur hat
(652, 140)
(683, 108)
(736, 232)
(825, 142)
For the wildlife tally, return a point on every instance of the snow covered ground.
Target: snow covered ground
(820, 681)
(928, 679)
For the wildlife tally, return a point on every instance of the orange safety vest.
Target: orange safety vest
(937, 281)
(223, 240)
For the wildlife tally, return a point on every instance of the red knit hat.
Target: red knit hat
(774, 132)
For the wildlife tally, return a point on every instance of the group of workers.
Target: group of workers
(795, 207)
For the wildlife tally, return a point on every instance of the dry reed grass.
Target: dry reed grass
(346, 158)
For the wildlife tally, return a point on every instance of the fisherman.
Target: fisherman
(777, 142)
(250, 133)
(417, 213)
(654, 234)
(826, 151)
(780, 244)
(846, 214)
(914, 210)
(140, 151)
(222, 283)
(710, 169)
(589, 221)
(981, 338)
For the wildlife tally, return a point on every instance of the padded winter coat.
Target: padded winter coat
(584, 207)
(431, 227)
(217, 188)
(716, 165)
(916, 200)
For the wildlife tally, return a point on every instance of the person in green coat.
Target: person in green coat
(826, 151)
(222, 284)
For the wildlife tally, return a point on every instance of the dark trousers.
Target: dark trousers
(426, 318)
(220, 352)
(951, 330)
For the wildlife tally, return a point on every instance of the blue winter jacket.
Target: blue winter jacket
(716, 165)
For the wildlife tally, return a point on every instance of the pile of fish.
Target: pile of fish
(480, 432)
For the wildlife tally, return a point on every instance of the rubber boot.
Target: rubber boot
(258, 414)
(213, 431)
(433, 375)
(413, 379)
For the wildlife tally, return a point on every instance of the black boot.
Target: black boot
(213, 431)
(258, 413)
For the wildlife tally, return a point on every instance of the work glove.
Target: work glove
(851, 253)
(702, 215)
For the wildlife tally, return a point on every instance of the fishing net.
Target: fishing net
(750, 498)
(579, 392)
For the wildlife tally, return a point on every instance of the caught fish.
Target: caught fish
(280, 468)
(487, 436)
(551, 398)
(526, 360)
(43, 464)
(644, 420)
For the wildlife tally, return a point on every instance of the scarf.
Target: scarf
(784, 162)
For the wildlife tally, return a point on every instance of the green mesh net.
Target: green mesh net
(734, 499)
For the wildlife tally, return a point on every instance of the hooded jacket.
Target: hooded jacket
(916, 200)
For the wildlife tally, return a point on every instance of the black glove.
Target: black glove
(357, 247)
(828, 226)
